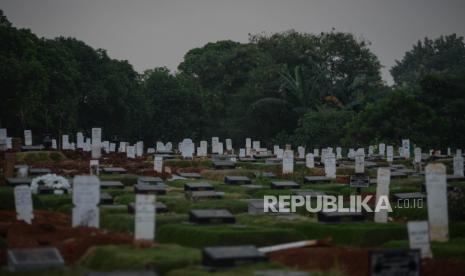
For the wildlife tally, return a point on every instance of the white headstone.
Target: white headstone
(418, 236)
(280, 154)
(112, 147)
(288, 162)
(338, 153)
(3, 139)
(94, 167)
(359, 161)
(242, 153)
(220, 148)
(256, 145)
(215, 141)
(86, 196)
(301, 152)
(145, 217)
(96, 143)
(316, 152)
(436, 188)
(310, 161)
(382, 190)
(80, 140)
(54, 144)
(122, 147)
(275, 149)
(390, 153)
(330, 165)
(65, 142)
(160, 146)
(188, 148)
(228, 144)
(158, 163)
(417, 155)
(458, 165)
(23, 203)
(406, 148)
(131, 152)
(106, 146)
(169, 146)
(139, 149)
(28, 137)
(449, 152)
(371, 150)
(382, 149)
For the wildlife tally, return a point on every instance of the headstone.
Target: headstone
(458, 165)
(390, 154)
(338, 153)
(418, 236)
(220, 148)
(23, 203)
(275, 149)
(248, 143)
(94, 167)
(88, 145)
(9, 143)
(106, 146)
(86, 196)
(211, 216)
(54, 144)
(395, 262)
(158, 163)
(145, 217)
(351, 154)
(28, 137)
(330, 165)
(130, 152)
(280, 154)
(288, 162)
(122, 147)
(80, 140)
(359, 162)
(256, 145)
(449, 152)
(382, 149)
(188, 148)
(65, 142)
(228, 256)
(96, 143)
(242, 153)
(112, 147)
(139, 149)
(3, 139)
(436, 188)
(371, 150)
(316, 152)
(406, 148)
(215, 141)
(301, 152)
(160, 146)
(228, 144)
(310, 161)
(417, 155)
(382, 190)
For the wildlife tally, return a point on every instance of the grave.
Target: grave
(159, 189)
(159, 207)
(256, 207)
(114, 170)
(192, 175)
(436, 188)
(338, 217)
(408, 196)
(211, 216)
(145, 213)
(111, 185)
(382, 190)
(265, 174)
(228, 256)
(106, 199)
(15, 181)
(198, 187)
(34, 258)
(284, 185)
(317, 179)
(86, 196)
(247, 159)
(272, 161)
(149, 180)
(32, 148)
(359, 181)
(224, 164)
(395, 262)
(23, 203)
(237, 180)
(197, 195)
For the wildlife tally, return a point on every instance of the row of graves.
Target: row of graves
(89, 196)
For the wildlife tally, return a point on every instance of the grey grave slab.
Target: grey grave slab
(273, 161)
(262, 155)
(15, 181)
(317, 179)
(237, 180)
(32, 148)
(198, 187)
(106, 199)
(369, 165)
(114, 170)
(159, 207)
(200, 216)
(284, 185)
(247, 159)
(395, 262)
(228, 256)
(256, 207)
(196, 195)
(34, 258)
(39, 171)
(149, 180)
(192, 175)
(265, 174)
(252, 186)
(111, 185)
(414, 195)
(159, 189)
(338, 217)
(359, 181)
(224, 164)
(397, 167)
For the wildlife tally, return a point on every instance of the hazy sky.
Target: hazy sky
(159, 32)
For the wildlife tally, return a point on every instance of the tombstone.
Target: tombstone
(316, 152)
(188, 148)
(23, 203)
(88, 145)
(256, 145)
(284, 185)
(237, 180)
(65, 142)
(220, 148)
(9, 143)
(338, 217)
(330, 165)
(301, 152)
(382, 190)
(248, 143)
(382, 149)
(310, 161)
(112, 147)
(351, 154)
(371, 150)
(436, 188)
(395, 262)
(406, 148)
(96, 143)
(458, 165)
(54, 144)
(204, 146)
(224, 164)
(211, 216)
(86, 196)
(34, 258)
(317, 179)
(449, 152)
(160, 146)
(149, 180)
(3, 139)
(80, 140)
(288, 162)
(94, 167)
(229, 256)
(228, 144)
(215, 141)
(130, 152)
(144, 228)
(198, 187)
(280, 154)
(359, 162)
(158, 163)
(459, 152)
(114, 170)
(192, 175)
(105, 184)
(275, 149)
(390, 154)
(28, 137)
(139, 149)
(418, 236)
(106, 146)
(338, 153)
(106, 199)
(242, 153)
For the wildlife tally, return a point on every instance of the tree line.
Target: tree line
(307, 89)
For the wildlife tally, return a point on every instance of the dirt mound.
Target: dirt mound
(54, 229)
(352, 261)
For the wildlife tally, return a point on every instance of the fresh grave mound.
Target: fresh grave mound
(54, 229)
(352, 261)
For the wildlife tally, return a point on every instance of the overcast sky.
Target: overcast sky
(152, 33)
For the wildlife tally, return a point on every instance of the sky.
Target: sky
(153, 33)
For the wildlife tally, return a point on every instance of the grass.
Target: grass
(225, 235)
(35, 157)
(161, 258)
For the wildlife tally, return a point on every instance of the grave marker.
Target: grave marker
(158, 163)
(288, 162)
(418, 236)
(360, 162)
(406, 148)
(301, 152)
(390, 154)
(34, 258)
(215, 141)
(382, 149)
(458, 165)
(96, 143)
(86, 196)
(310, 161)
(28, 137)
(145, 217)
(436, 188)
(23, 203)
(130, 152)
(382, 190)
(330, 165)
(228, 144)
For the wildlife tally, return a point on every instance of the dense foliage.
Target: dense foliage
(308, 89)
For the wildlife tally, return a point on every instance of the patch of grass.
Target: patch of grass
(161, 258)
(218, 235)
(124, 222)
(34, 157)
(55, 203)
(68, 271)
(453, 249)
(7, 200)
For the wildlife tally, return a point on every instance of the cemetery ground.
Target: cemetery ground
(339, 248)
